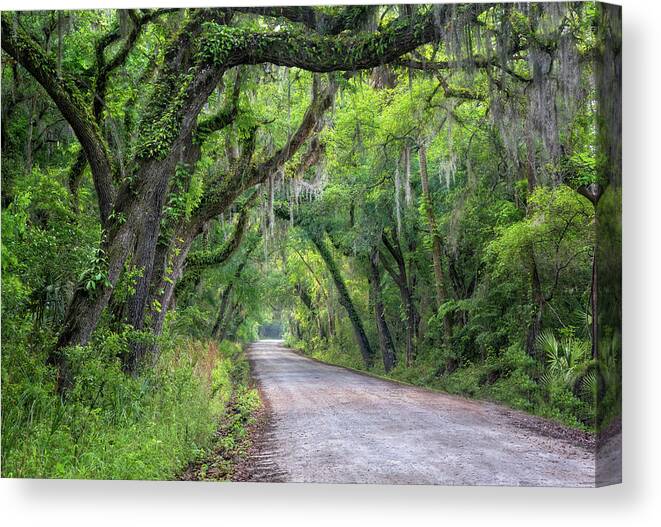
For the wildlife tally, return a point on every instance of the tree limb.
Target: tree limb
(203, 259)
(224, 117)
(318, 53)
(68, 99)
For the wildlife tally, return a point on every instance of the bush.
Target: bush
(113, 426)
(341, 350)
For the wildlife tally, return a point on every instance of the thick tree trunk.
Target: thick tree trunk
(146, 249)
(385, 338)
(135, 234)
(143, 260)
(148, 224)
(345, 299)
(86, 306)
(138, 212)
(144, 195)
(437, 247)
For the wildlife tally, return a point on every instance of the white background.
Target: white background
(636, 502)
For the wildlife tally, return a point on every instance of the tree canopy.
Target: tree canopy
(428, 191)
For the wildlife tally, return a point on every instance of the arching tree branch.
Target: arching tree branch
(204, 259)
(68, 99)
(226, 47)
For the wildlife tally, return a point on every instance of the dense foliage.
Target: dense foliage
(428, 192)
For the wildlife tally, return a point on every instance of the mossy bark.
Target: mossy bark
(401, 278)
(131, 214)
(385, 338)
(345, 298)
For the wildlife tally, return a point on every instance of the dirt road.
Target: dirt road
(331, 425)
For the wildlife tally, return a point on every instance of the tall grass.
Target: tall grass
(113, 426)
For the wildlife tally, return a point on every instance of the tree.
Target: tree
(437, 248)
(131, 212)
(439, 185)
(385, 339)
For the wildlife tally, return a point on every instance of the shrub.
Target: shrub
(113, 426)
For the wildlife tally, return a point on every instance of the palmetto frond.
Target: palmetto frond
(549, 345)
(590, 384)
(565, 358)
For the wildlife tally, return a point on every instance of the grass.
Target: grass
(231, 441)
(117, 427)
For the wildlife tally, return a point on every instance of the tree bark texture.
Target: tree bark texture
(385, 338)
(345, 299)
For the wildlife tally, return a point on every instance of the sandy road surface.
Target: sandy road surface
(328, 424)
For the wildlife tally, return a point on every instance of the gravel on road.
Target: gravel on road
(328, 424)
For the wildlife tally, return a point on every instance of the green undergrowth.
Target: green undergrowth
(231, 441)
(510, 377)
(114, 426)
